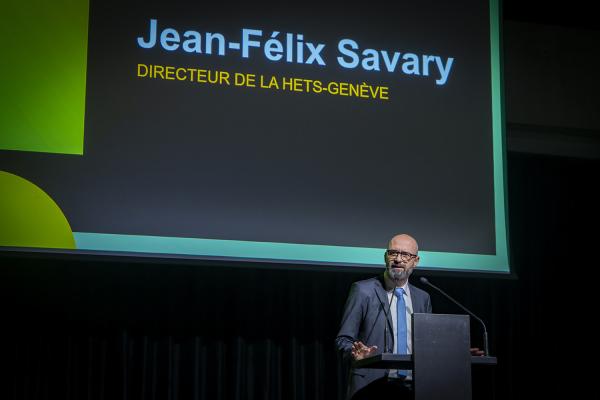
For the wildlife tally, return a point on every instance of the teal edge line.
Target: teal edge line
(275, 251)
(498, 135)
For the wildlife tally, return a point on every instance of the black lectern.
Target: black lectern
(441, 360)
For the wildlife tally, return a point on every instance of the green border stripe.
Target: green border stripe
(499, 153)
(275, 251)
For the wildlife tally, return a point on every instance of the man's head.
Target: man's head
(401, 258)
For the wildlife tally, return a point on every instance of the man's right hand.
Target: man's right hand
(360, 351)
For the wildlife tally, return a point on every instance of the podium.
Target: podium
(441, 361)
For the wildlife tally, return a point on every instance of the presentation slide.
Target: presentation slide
(287, 134)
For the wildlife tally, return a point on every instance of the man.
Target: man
(377, 315)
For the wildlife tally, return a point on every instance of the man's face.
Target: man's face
(401, 257)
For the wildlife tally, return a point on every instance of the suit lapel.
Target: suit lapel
(415, 302)
(383, 299)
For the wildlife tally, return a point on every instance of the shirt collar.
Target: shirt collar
(405, 287)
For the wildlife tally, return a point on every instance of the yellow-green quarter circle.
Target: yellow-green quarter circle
(29, 217)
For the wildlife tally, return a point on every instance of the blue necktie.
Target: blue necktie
(401, 341)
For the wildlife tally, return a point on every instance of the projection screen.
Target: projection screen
(293, 134)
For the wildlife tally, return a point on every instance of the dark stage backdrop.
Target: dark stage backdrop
(76, 329)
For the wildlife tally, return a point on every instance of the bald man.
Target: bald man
(364, 321)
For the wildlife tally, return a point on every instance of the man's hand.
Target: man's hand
(360, 351)
(476, 352)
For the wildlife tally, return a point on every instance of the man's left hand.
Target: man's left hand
(475, 351)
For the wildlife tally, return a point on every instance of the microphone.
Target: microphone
(486, 349)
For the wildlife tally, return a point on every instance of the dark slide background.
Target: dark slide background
(180, 159)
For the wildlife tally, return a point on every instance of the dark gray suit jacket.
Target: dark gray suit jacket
(364, 319)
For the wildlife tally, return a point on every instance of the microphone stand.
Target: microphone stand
(486, 349)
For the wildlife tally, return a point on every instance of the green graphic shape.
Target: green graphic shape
(43, 74)
(30, 218)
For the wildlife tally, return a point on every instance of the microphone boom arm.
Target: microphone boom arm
(486, 349)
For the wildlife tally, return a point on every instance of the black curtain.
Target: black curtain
(91, 328)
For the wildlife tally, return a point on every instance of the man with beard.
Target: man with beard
(371, 305)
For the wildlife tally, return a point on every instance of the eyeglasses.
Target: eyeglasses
(404, 256)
